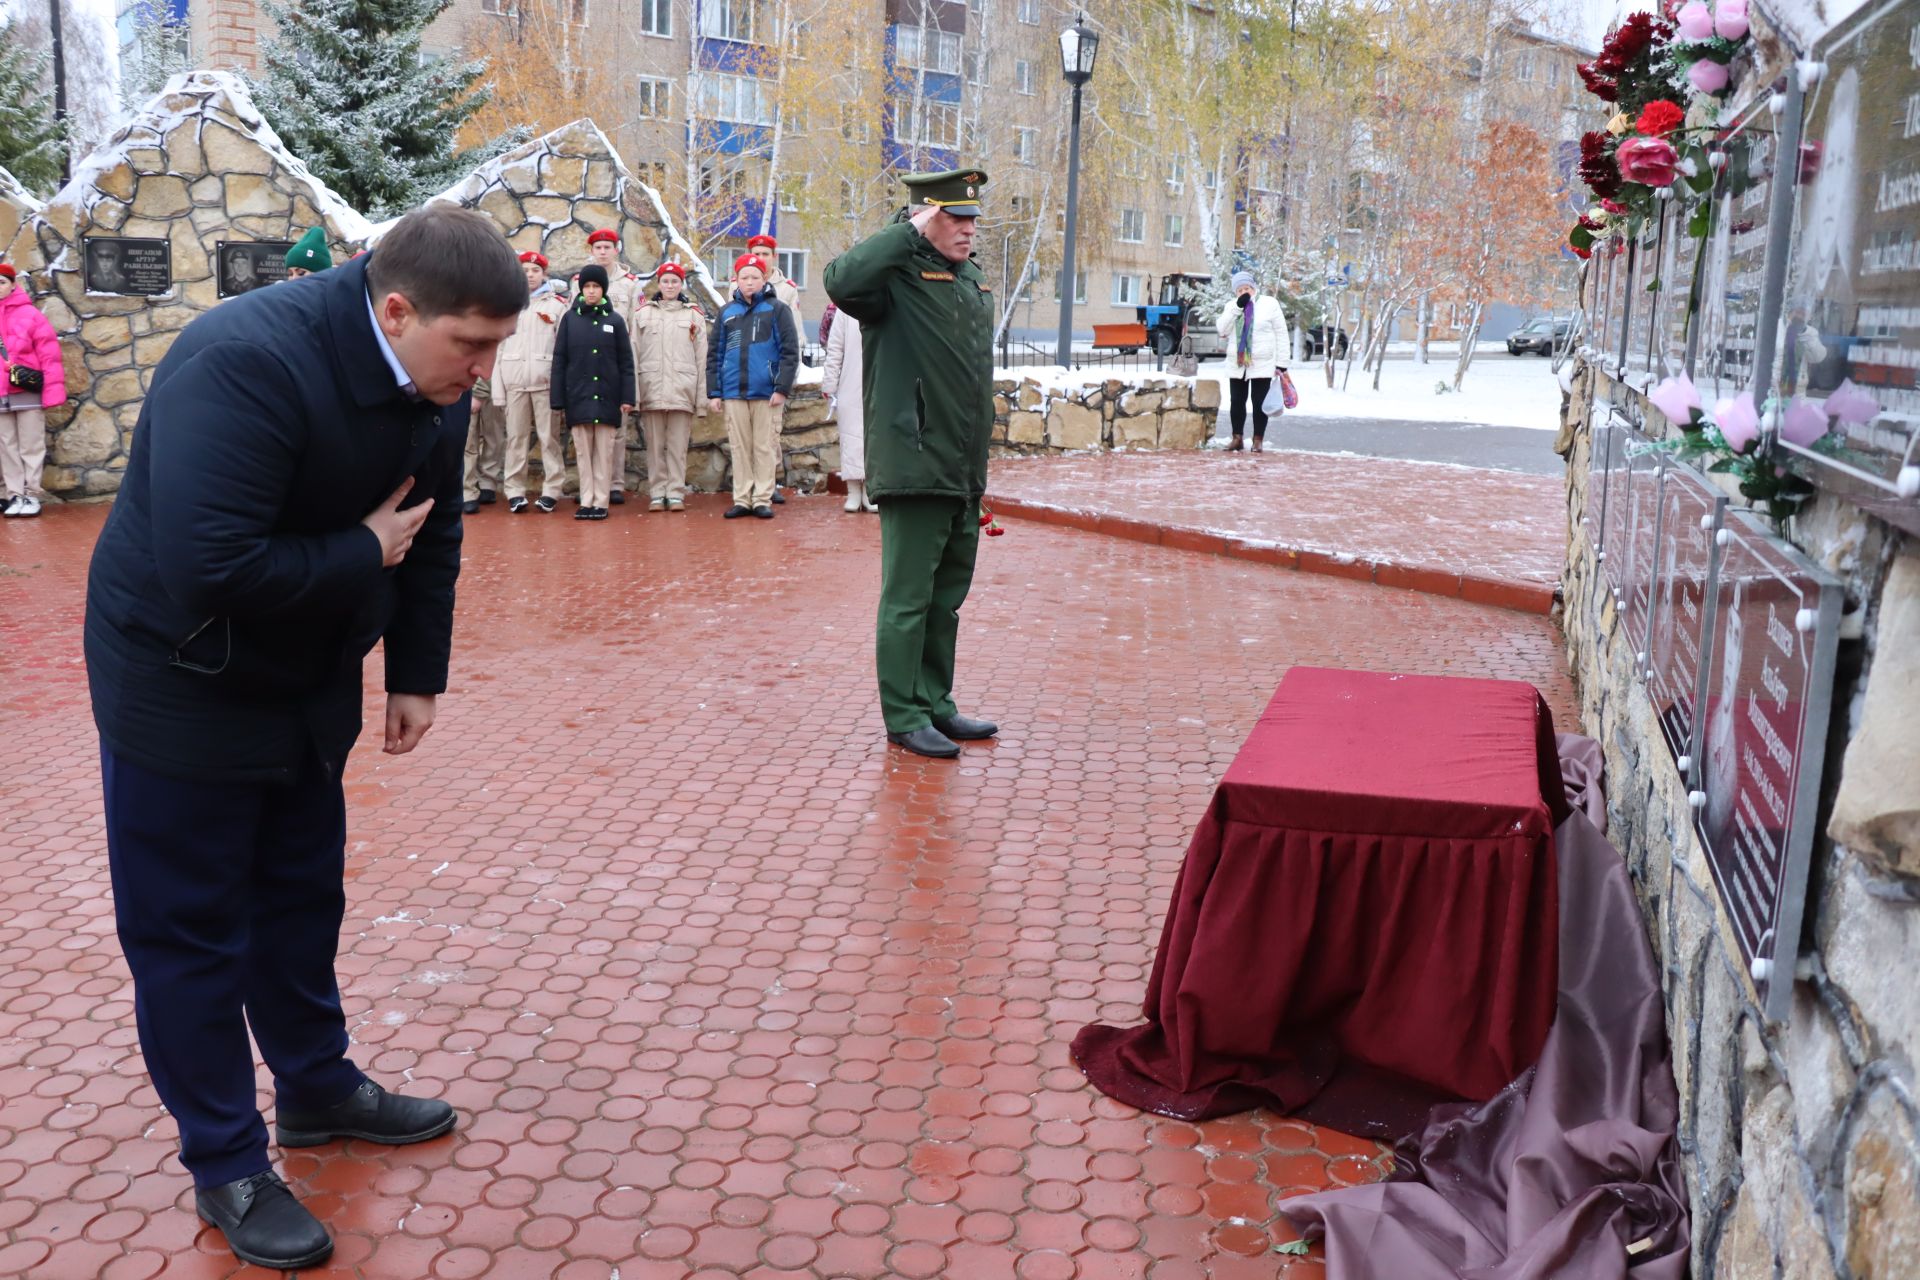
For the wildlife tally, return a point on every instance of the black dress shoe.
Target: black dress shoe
(371, 1114)
(735, 511)
(777, 498)
(488, 497)
(583, 513)
(618, 498)
(965, 729)
(469, 507)
(764, 513)
(599, 513)
(926, 741)
(516, 505)
(264, 1224)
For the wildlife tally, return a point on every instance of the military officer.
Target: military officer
(926, 318)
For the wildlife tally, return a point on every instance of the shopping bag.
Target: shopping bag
(1288, 392)
(1276, 402)
(1184, 363)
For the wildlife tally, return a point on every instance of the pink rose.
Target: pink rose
(1730, 19)
(1803, 422)
(1676, 398)
(1696, 21)
(1708, 76)
(1649, 161)
(1849, 404)
(1738, 420)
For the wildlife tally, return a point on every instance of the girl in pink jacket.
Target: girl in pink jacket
(35, 380)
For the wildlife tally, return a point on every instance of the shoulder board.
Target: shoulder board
(936, 275)
(984, 286)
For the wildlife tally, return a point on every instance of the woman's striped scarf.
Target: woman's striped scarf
(1244, 356)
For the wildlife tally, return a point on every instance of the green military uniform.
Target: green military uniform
(927, 327)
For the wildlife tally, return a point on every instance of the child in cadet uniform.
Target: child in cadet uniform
(670, 356)
(522, 377)
(593, 386)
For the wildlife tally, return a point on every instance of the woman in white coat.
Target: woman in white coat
(841, 378)
(1258, 347)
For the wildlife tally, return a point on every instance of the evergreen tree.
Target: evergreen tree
(30, 138)
(347, 91)
(162, 48)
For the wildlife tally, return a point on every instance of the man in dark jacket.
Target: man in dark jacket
(293, 497)
(926, 322)
(752, 358)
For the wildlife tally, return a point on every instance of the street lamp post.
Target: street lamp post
(1078, 45)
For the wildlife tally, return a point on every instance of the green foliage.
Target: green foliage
(30, 138)
(347, 90)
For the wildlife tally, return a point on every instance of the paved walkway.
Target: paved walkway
(1489, 536)
(721, 986)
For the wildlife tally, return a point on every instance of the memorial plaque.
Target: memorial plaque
(1630, 515)
(1851, 316)
(117, 264)
(242, 266)
(1690, 510)
(1679, 254)
(1736, 258)
(1646, 272)
(1601, 433)
(1645, 480)
(1769, 687)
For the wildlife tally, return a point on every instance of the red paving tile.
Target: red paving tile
(720, 986)
(1493, 537)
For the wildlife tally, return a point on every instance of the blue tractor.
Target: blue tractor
(1174, 315)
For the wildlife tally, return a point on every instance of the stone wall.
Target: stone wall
(17, 207)
(1153, 412)
(1798, 1137)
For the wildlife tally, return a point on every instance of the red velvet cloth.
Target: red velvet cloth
(1366, 923)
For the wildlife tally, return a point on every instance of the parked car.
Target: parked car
(1540, 336)
(1320, 335)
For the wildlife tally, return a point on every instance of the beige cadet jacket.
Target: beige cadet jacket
(788, 292)
(525, 362)
(670, 355)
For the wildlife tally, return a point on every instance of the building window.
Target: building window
(734, 99)
(1177, 174)
(656, 17)
(720, 262)
(501, 8)
(793, 265)
(656, 98)
(1133, 225)
(789, 201)
(720, 188)
(727, 19)
(1523, 66)
(1176, 235)
(654, 174)
(1023, 144)
(849, 198)
(1030, 12)
(1023, 76)
(1553, 73)
(855, 124)
(1126, 291)
(577, 12)
(1211, 180)
(978, 71)
(927, 124)
(1079, 288)
(941, 50)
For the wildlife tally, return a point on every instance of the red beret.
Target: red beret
(753, 260)
(606, 234)
(768, 241)
(531, 256)
(671, 269)
(6, 269)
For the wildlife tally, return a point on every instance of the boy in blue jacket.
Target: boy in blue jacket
(751, 361)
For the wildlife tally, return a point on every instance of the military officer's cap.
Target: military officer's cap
(956, 191)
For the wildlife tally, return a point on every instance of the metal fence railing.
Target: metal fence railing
(1022, 355)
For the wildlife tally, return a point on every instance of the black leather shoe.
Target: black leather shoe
(926, 741)
(488, 497)
(618, 498)
(777, 498)
(371, 1114)
(264, 1224)
(516, 505)
(764, 513)
(583, 513)
(735, 511)
(964, 729)
(469, 507)
(599, 513)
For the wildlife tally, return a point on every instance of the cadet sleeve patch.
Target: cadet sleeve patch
(984, 286)
(937, 275)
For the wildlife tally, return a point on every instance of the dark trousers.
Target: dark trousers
(927, 549)
(229, 898)
(1237, 389)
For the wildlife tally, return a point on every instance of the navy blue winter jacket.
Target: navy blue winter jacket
(754, 351)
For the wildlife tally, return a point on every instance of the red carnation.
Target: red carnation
(1599, 84)
(1660, 118)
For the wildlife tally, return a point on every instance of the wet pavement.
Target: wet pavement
(720, 985)
(1524, 449)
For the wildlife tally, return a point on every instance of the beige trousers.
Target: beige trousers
(23, 450)
(753, 431)
(622, 437)
(525, 411)
(668, 431)
(593, 450)
(486, 440)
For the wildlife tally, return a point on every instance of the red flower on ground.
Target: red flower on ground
(1660, 118)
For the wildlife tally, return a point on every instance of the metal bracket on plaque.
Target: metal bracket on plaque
(1715, 526)
(1626, 310)
(1645, 663)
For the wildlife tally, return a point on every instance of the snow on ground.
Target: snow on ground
(1499, 391)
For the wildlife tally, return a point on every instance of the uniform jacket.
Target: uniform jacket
(234, 593)
(31, 344)
(1271, 347)
(841, 378)
(755, 350)
(592, 365)
(788, 292)
(926, 325)
(670, 355)
(525, 362)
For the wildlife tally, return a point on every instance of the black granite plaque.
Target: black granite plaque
(1735, 263)
(241, 266)
(1644, 483)
(1850, 321)
(1688, 506)
(1770, 683)
(116, 264)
